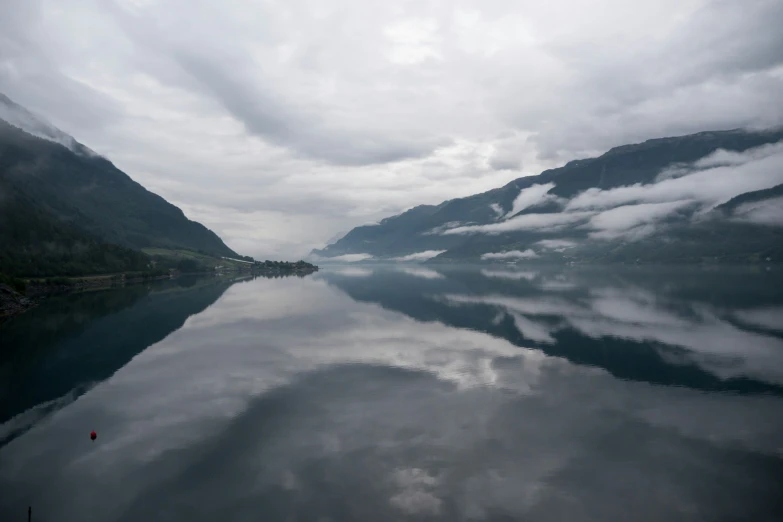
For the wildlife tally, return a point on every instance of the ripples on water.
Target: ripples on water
(367, 393)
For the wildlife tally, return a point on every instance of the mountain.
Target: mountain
(19, 117)
(62, 203)
(705, 196)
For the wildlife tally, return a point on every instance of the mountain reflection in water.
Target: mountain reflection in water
(418, 392)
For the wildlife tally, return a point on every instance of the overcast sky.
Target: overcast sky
(280, 124)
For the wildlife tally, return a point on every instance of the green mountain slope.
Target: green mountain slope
(110, 204)
(65, 210)
(35, 242)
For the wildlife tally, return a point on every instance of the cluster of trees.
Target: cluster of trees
(286, 265)
(39, 241)
(58, 256)
(189, 266)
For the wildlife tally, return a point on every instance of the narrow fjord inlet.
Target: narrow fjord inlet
(362, 261)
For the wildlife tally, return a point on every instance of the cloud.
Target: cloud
(767, 212)
(507, 274)
(540, 222)
(353, 272)
(770, 318)
(272, 117)
(421, 378)
(419, 256)
(713, 343)
(530, 197)
(443, 228)
(511, 254)
(415, 496)
(244, 110)
(32, 124)
(533, 330)
(633, 220)
(508, 152)
(755, 169)
(424, 273)
(556, 285)
(635, 211)
(350, 258)
(557, 245)
(723, 158)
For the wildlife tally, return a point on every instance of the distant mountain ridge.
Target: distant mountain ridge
(59, 199)
(519, 217)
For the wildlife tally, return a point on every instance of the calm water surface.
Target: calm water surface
(401, 393)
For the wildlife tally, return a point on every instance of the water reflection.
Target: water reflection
(702, 329)
(54, 353)
(391, 394)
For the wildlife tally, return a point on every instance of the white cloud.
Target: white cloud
(449, 375)
(32, 124)
(767, 212)
(555, 285)
(533, 330)
(721, 157)
(557, 245)
(416, 495)
(511, 254)
(530, 197)
(420, 256)
(350, 258)
(769, 317)
(442, 228)
(542, 222)
(634, 220)
(508, 151)
(353, 271)
(414, 41)
(760, 169)
(508, 274)
(424, 273)
(713, 343)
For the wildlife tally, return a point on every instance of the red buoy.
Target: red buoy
(93, 435)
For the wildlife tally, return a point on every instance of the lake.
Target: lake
(365, 393)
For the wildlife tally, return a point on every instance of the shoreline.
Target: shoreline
(13, 302)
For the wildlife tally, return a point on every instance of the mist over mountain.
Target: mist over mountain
(64, 209)
(25, 120)
(711, 196)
